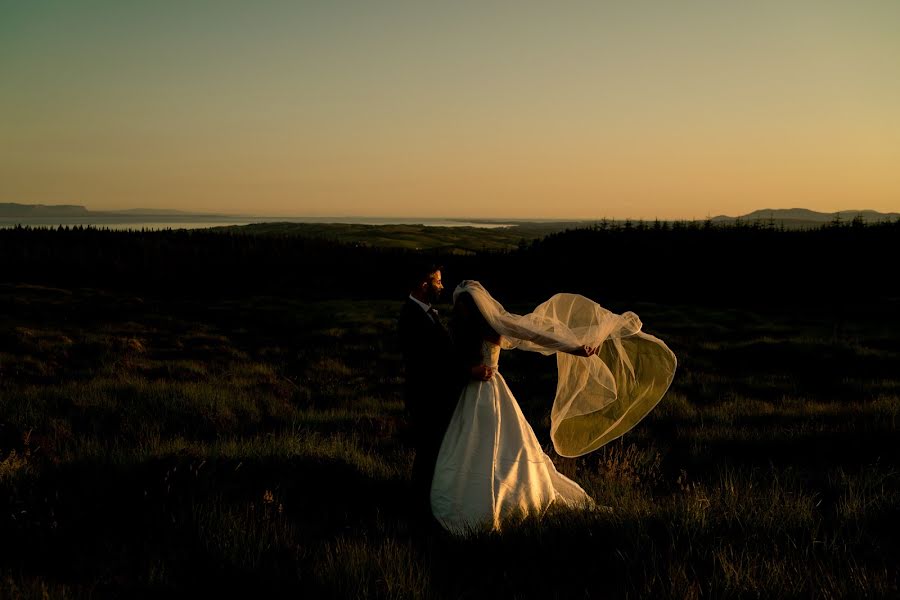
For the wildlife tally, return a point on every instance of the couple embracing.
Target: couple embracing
(478, 462)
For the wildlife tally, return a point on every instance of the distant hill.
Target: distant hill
(803, 217)
(11, 209)
(421, 236)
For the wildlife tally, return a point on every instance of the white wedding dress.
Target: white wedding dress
(491, 467)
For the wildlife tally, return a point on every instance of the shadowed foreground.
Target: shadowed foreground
(257, 447)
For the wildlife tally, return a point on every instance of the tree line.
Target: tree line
(740, 263)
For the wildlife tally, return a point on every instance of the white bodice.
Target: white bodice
(490, 354)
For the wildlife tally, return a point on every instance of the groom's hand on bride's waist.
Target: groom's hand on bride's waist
(482, 373)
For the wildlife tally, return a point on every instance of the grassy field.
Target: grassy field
(459, 240)
(257, 447)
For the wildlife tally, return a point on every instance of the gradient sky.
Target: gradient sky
(474, 109)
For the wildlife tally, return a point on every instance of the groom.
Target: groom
(433, 377)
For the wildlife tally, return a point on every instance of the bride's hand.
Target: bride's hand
(584, 351)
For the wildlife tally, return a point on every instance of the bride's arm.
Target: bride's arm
(547, 339)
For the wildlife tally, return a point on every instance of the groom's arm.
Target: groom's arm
(412, 347)
(465, 370)
(481, 373)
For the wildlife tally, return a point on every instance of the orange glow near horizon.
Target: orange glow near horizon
(487, 111)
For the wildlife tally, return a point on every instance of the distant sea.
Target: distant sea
(158, 222)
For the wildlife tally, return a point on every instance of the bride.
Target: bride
(491, 467)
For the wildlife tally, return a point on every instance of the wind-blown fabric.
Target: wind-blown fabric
(599, 398)
(491, 468)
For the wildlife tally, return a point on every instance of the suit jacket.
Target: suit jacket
(433, 376)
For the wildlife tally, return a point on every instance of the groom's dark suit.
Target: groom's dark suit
(433, 384)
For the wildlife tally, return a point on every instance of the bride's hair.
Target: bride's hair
(468, 328)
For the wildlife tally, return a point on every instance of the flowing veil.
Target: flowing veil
(598, 398)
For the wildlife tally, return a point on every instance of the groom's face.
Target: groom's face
(434, 287)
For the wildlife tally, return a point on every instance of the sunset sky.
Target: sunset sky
(596, 109)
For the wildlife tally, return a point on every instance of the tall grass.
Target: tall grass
(259, 448)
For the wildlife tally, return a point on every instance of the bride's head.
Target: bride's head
(468, 325)
(469, 286)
